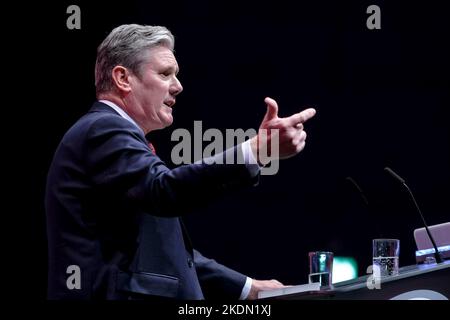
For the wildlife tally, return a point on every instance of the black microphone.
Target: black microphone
(437, 255)
(361, 193)
(366, 202)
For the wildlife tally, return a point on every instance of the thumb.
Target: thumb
(272, 109)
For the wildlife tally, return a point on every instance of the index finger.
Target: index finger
(302, 116)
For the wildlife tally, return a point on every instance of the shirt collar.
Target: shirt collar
(120, 111)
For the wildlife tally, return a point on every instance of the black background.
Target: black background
(382, 99)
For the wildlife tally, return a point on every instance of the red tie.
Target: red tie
(150, 145)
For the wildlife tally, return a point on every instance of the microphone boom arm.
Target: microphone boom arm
(437, 255)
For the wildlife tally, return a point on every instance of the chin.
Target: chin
(165, 124)
(168, 120)
(164, 118)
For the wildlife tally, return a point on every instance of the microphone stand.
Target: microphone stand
(437, 255)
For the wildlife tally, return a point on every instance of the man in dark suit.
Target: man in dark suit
(113, 207)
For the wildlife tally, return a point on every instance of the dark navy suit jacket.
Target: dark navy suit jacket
(113, 210)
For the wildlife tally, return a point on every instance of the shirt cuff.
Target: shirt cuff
(246, 289)
(249, 159)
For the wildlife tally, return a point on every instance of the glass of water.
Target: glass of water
(320, 268)
(385, 257)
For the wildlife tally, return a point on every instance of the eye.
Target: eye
(165, 74)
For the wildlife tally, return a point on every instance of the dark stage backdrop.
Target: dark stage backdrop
(382, 99)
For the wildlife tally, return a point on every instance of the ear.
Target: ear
(121, 78)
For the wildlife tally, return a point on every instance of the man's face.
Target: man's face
(153, 93)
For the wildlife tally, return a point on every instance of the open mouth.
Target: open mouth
(169, 103)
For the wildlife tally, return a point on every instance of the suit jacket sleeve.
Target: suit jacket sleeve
(120, 163)
(218, 281)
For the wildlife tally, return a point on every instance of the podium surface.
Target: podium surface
(416, 282)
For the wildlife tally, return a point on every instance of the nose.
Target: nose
(176, 87)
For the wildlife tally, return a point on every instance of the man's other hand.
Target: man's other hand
(259, 285)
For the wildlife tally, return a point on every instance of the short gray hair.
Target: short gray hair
(127, 46)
